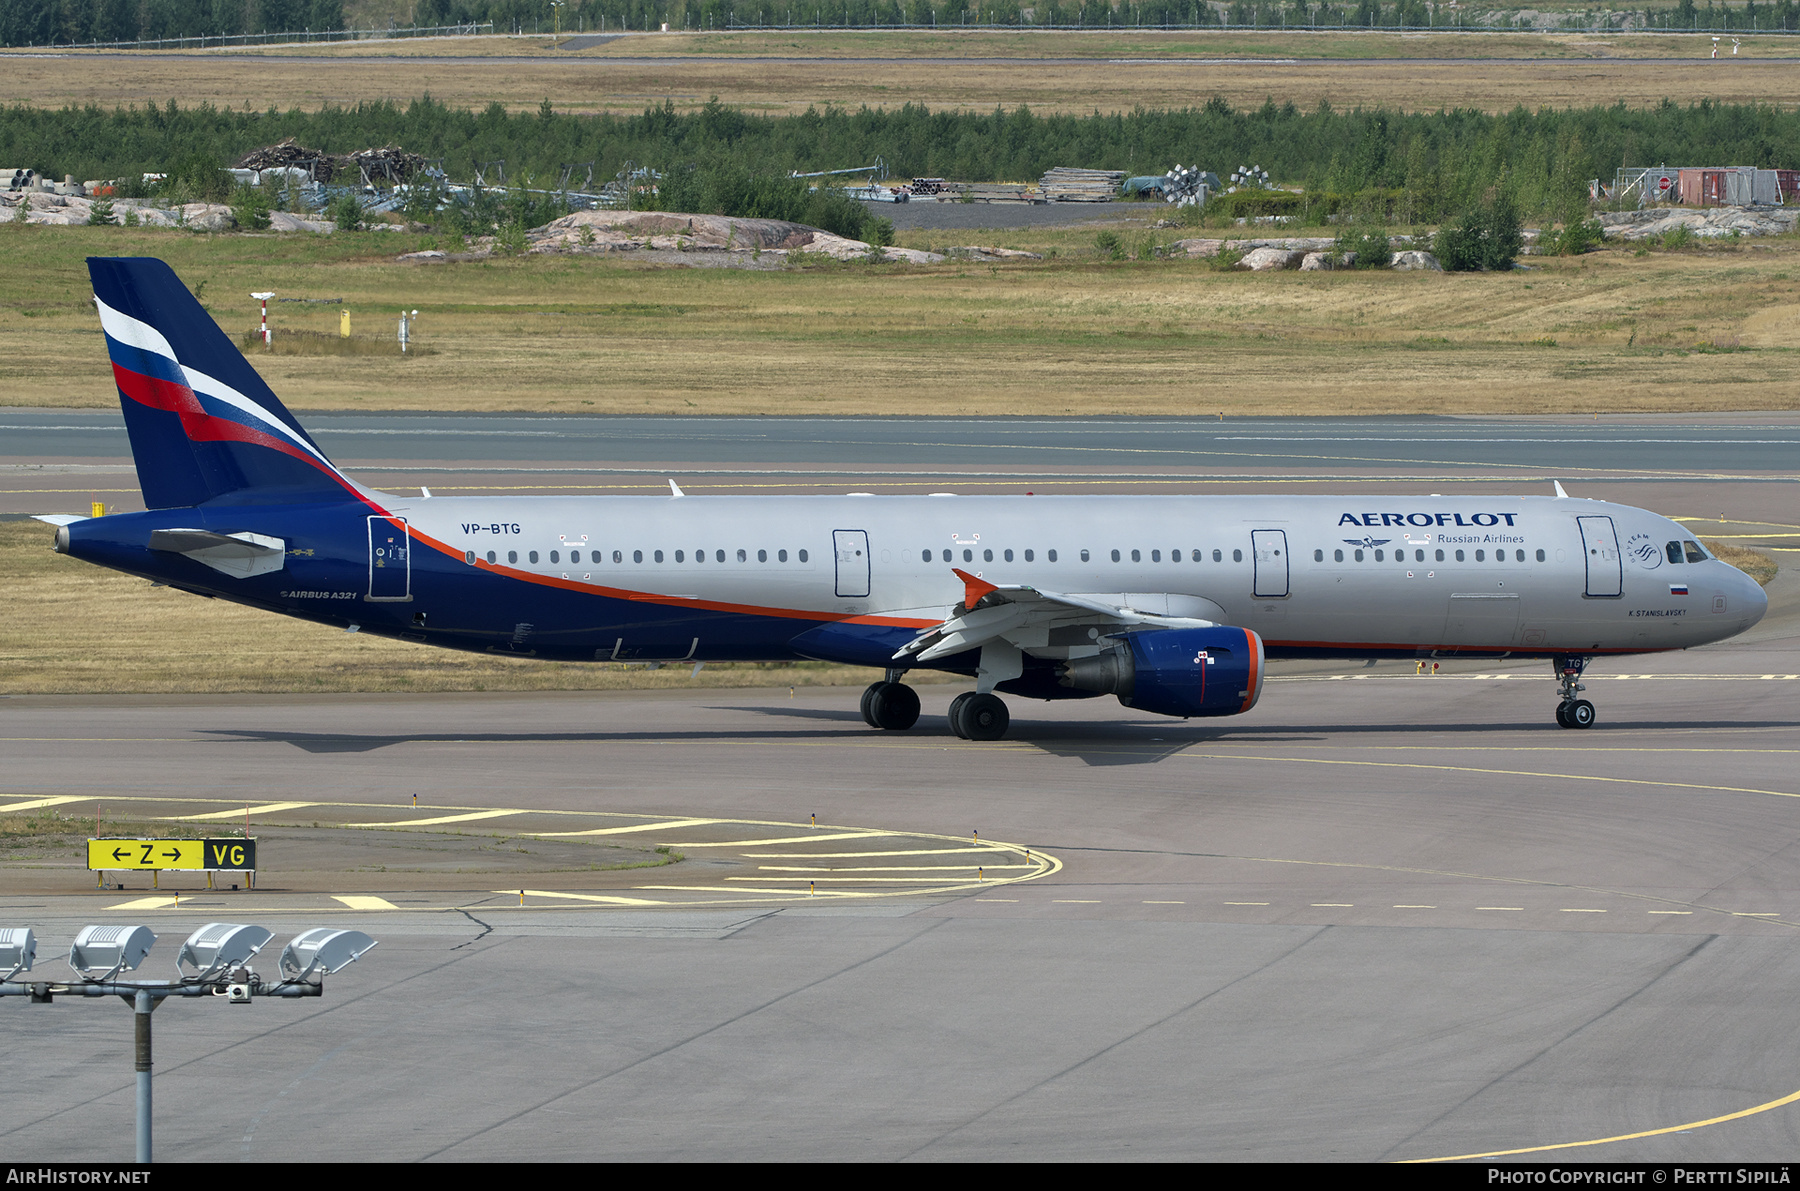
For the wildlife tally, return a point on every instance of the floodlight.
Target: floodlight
(17, 948)
(110, 950)
(218, 947)
(322, 951)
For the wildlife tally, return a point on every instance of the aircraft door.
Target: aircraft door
(1268, 550)
(390, 560)
(1600, 546)
(851, 546)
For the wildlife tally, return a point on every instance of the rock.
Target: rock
(1708, 224)
(912, 256)
(429, 256)
(287, 221)
(1411, 260)
(1321, 262)
(1264, 260)
(1197, 247)
(208, 217)
(976, 252)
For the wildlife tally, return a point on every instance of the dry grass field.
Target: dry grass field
(74, 628)
(1706, 329)
(788, 72)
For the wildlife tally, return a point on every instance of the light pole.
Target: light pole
(218, 955)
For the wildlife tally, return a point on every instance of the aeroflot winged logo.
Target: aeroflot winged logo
(1382, 520)
(1369, 542)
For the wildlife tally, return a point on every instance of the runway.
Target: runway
(1381, 917)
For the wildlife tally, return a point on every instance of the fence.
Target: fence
(290, 38)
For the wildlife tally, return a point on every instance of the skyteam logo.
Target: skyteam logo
(1643, 551)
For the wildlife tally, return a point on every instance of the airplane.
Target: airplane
(1174, 605)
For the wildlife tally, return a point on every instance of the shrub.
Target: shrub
(250, 206)
(1110, 246)
(101, 214)
(1370, 244)
(346, 212)
(1573, 240)
(1485, 238)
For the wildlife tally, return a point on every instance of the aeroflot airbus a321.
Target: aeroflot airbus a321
(1173, 604)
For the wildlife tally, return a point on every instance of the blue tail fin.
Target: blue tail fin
(203, 424)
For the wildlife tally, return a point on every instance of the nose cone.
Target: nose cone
(1753, 599)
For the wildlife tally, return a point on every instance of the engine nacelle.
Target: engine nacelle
(1184, 672)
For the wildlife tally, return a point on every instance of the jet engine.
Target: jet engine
(1184, 672)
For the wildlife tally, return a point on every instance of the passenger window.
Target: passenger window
(1174, 556)
(1156, 556)
(1115, 556)
(1009, 556)
(742, 557)
(512, 556)
(532, 556)
(924, 556)
(1237, 556)
(1378, 557)
(553, 557)
(801, 555)
(1440, 556)
(1318, 556)
(699, 556)
(1337, 556)
(469, 557)
(1540, 556)
(657, 556)
(1084, 556)
(1029, 556)
(637, 556)
(781, 556)
(1673, 550)
(1694, 553)
(968, 556)
(763, 556)
(1518, 556)
(1459, 556)
(987, 556)
(1359, 556)
(1050, 554)
(1136, 557)
(1481, 556)
(1418, 556)
(719, 555)
(491, 556)
(679, 557)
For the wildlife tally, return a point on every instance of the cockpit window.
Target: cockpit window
(1695, 553)
(1673, 550)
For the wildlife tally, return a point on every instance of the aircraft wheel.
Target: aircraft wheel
(868, 703)
(892, 706)
(955, 713)
(983, 717)
(1562, 715)
(1581, 714)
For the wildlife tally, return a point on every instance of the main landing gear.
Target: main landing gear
(975, 716)
(1572, 712)
(892, 706)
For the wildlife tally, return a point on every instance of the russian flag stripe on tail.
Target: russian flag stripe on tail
(204, 426)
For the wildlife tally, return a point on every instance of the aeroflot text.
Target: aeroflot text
(1377, 520)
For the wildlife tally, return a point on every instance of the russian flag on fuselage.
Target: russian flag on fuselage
(203, 425)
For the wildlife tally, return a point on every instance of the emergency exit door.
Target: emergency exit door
(851, 546)
(1600, 546)
(1268, 551)
(390, 560)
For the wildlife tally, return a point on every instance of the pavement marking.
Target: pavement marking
(35, 803)
(623, 830)
(1333, 905)
(1415, 907)
(266, 808)
(584, 897)
(1549, 776)
(1568, 910)
(968, 880)
(1522, 907)
(1761, 914)
(1075, 901)
(888, 868)
(359, 902)
(853, 855)
(1246, 903)
(467, 818)
(1671, 911)
(1157, 903)
(787, 839)
(146, 903)
(1600, 1141)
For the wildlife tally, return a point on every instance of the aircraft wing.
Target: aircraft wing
(1023, 616)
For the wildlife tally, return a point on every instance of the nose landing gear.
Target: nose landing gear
(1572, 712)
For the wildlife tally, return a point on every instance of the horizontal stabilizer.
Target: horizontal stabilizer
(58, 518)
(239, 554)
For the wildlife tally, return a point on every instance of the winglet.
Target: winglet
(675, 490)
(973, 588)
(1561, 495)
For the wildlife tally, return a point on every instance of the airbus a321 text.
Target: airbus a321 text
(1172, 604)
